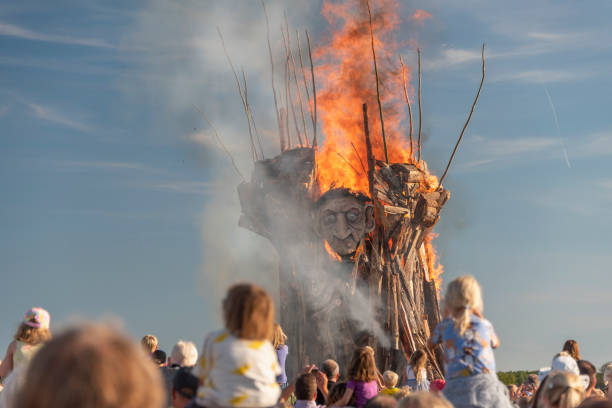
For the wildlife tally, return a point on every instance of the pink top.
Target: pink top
(363, 391)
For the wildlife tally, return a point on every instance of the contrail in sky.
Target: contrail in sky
(554, 111)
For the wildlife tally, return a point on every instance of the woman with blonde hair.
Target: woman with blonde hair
(468, 340)
(416, 373)
(282, 350)
(562, 390)
(31, 334)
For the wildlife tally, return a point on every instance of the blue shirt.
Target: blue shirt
(281, 353)
(469, 353)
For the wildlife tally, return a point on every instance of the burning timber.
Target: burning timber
(385, 274)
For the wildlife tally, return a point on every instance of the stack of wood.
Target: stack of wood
(391, 262)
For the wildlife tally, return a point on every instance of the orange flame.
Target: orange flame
(345, 73)
(435, 268)
(333, 254)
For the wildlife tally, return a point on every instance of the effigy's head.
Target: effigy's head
(343, 218)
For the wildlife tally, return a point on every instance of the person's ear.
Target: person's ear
(370, 222)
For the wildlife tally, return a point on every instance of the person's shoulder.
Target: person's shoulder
(480, 321)
(283, 347)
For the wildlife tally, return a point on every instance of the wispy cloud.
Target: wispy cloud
(543, 76)
(48, 114)
(24, 33)
(493, 150)
(108, 165)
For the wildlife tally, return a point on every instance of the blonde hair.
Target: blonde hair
(424, 399)
(463, 295)
(248, 312)
(390, 379)
(402, 392)
(363, 366)
(149, 343)
(100, 368)
(418, 359)
(564, 390)
(32, 335)
(279, 337)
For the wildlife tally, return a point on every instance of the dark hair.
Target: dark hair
(336, 393)
(248, 312)
(306, 387)
(571, 346)
(185, 383)
(363, 367)
(341, 193)
(589, 369)
(159, 356)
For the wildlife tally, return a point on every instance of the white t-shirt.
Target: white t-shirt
(237, 373)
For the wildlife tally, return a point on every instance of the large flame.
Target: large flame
(346, 80)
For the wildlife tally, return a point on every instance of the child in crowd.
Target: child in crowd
(571, 346)
(390, 381)
(238, 365)
(278, 342)
(31, 334)
(416, 373)
(468, 340)
(149, 343)
(362, 379)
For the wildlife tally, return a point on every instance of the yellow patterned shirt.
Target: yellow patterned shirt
(237, 373)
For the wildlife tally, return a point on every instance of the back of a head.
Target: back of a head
(184, 353)
(248, 312)
(306, 387)
(381, 401)
(363, 367)
(571, 346)
(390, 379)
(91, 366)
(424, 399)
(159, 357)
(335, 393)
(279, 337)
(149, 343)
(606, 370)
(34, 329)
(462, 295)
(563, 390)
(331, 369)
(588, 369)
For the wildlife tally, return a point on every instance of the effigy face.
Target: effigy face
(343, 219)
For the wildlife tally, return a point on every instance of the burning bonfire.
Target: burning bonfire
(350, 213)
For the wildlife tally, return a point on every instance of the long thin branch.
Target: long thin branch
(288, 83)
(244, 104)
(250, 112)
(407, 102)
(304, 74)
(382, 122)
(349, 163)
(314, 93)
(221, 143)
(297, 83)
(359, 157)
(469, 116)
(420, 108)
(278, 120)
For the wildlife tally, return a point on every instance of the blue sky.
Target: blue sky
(117, 202)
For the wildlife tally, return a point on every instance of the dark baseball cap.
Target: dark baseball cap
(185, 383)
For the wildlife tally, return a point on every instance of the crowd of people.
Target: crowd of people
(243, 365)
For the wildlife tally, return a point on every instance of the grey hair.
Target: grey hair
(184, 353)
(606, 370)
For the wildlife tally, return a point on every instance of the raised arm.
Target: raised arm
(7, 362)
(343, 402)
